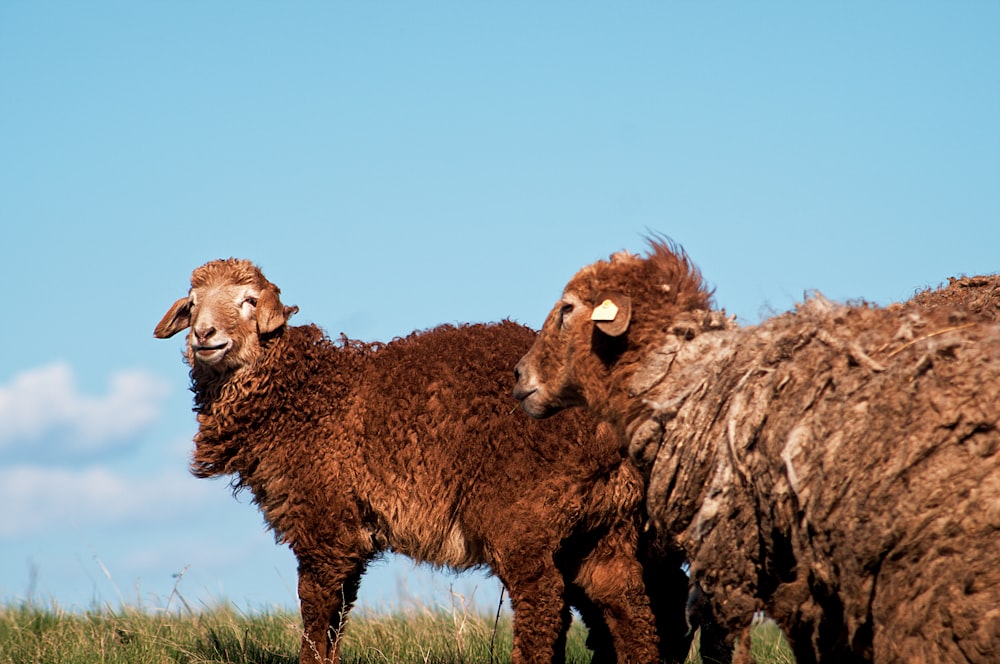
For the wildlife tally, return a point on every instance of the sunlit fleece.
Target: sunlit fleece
(45, 400)
(38, 499)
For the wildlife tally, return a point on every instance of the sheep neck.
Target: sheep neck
(245, 417)
(668, 401)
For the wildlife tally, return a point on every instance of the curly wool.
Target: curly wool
(348, 406)
(352, 449)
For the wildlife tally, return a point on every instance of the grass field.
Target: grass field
(48, 635)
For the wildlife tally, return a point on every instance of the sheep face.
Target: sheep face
(609, 313)
(230, 305)
(547, 377)
(581, 339)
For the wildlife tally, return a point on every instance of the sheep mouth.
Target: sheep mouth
(529, 399)
(211, 354)
(522, 393)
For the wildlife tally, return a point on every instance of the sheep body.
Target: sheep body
(836, 466)
(855, 495)
(353, 449)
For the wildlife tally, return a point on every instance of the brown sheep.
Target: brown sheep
(353, 449)
(837, 467)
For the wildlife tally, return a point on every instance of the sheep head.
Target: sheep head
(610, 313)
(230, 306)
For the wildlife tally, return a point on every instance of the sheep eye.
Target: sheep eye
(252, 301)
(564, 311)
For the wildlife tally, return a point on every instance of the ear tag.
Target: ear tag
(605, 311)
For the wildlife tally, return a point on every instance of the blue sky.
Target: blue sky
(392, 166)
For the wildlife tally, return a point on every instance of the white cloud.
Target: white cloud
(40, 499)
(46, 401)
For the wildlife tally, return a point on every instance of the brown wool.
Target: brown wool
(351, 449)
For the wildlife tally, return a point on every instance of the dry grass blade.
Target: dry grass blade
(928, 336)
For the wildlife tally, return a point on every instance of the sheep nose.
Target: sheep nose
(521, 391)
(203, 334)
(519, 372)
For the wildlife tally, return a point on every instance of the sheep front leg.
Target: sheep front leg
(540, 612)
(612, 579)
(326, 594)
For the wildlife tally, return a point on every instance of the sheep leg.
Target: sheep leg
(712, 642)
(668, 589)
(540, 613)
(326, 594)
(599, 639)
(612, 578)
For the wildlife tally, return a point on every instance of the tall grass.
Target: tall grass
(419, 635)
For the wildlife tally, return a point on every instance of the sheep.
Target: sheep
(352, 449)
(836, 466)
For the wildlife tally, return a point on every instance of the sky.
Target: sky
(396, 165)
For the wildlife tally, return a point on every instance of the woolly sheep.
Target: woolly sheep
(836, 466)
(353, 449)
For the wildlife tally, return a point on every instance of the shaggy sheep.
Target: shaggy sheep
(837, 466)
(979, 296)
(353, 449)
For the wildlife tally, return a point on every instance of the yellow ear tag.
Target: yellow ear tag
(605, 311)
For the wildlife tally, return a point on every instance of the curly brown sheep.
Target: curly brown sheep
(351, 449)
(837, 467)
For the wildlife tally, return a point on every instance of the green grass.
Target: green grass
(48, 635)
(769, 645)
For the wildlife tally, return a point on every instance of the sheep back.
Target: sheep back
(838, 466)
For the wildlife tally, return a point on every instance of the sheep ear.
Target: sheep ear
(177, 318)
(271, 314)
(613, 313)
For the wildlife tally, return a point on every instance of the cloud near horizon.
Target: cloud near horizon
(45, 402)
(37, 499)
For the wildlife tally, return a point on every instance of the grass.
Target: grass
(769, 645)
(48, 635)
